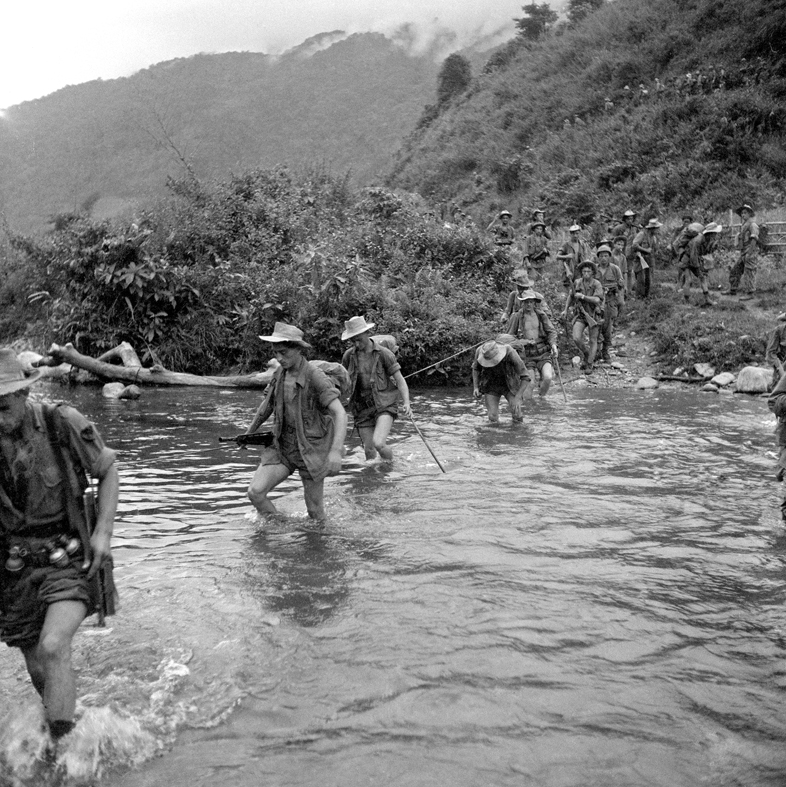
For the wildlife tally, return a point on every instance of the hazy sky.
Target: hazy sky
(47, 44)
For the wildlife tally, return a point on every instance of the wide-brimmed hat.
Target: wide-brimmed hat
(630, 212)
(619, 237)
(14, 376)
(687, 216)
(653, 224)
(712, 227)
(603, 248)
(354, 326)
(286, 333)
(528, 295)
(587, 264)
(538, 210)
(744, 206)
(538, 224)
(504, 338)
(491, 353)
(520, 277)
(505, 213)
(574, 228)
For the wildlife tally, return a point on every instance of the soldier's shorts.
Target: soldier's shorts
(28, 594)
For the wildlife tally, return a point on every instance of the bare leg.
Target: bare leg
(515, 408)
(578, 339)
(546, 376)
(492, 406)
(381, 432)
(49, 662)
(265, 479)
(314, 495)
(367, 438)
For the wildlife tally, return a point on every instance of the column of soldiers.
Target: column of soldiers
(598, 281)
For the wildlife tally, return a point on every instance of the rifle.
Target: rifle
(245, 440)
(106, 605)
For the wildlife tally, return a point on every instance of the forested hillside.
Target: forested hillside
(661, 105)
(346, 101)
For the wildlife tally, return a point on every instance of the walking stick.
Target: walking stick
(460, 352)
(559, 377)
(425, 442)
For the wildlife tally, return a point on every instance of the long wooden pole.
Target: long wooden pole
(425, 442)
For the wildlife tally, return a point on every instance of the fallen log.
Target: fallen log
(681, 379)
(138, 375)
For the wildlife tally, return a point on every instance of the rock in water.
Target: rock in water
(112, 390)
(130, 392)
(647, 384)
(723, 379)
(710, 388)
(754, 380)
(704, 370)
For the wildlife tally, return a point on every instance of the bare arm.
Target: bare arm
(339, 414)
(403, 390)
(100, 540)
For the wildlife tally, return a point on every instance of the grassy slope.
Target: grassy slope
(503, 142)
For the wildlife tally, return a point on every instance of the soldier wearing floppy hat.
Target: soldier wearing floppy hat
(571, 254)
(498, 371)
(501, 228)
(697, 260)
(627, 229)
(611, 279)
(51, 558)
(522, 281)
(535, 337)
(644, 247)
(309, 429)
(539, 217)
(743, 272)
(586, 297)
(536, 250)
(376, 386)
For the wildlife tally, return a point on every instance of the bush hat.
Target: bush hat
(520, 277)
(528, 295)
(619, 237)
(653, 224)
(538, 224)
(286, 333)
(587, 264)
(574, 228)
(745, 206)
(505, 213)
(491, 353)
(14, 376)
(712, 227)
(538, 210)
(603, 249)
(504, 338)
(630, 213)
(354, 326)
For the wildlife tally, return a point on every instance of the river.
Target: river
(592, 597)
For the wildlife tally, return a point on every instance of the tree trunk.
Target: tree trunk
(134, 373)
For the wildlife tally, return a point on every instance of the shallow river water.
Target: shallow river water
(593, 597)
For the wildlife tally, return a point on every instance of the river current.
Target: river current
(593, 597)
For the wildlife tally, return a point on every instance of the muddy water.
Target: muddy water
(593, 597)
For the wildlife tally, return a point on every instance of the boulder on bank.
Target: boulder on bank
(647, 384)
(754, 380)
(723, 379)
(704, 370)
(710, 388)
(112, 390)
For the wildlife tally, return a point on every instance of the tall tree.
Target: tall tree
(578, 9)
(536, 21)
(453, 78)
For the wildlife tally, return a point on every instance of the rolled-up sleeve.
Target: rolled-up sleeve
(87, 444)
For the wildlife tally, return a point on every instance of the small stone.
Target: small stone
(723, 379)
(754, 380)
(112, 390)
(617, 365)
(622, 353)
(130, 392)
(575, 361)
(653, 353)
(647, 384)
(678, 371)
(704, 370)
(633, 333)
(710, 388)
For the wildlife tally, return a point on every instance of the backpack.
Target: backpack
(337, 375)
(764, 239)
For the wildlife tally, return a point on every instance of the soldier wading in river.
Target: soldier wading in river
(51, 560)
